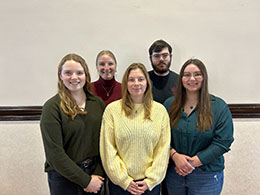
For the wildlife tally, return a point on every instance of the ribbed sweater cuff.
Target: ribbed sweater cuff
(126, 183)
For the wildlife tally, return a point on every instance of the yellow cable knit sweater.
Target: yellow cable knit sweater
(133, 147)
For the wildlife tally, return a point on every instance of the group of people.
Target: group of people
(157, 132)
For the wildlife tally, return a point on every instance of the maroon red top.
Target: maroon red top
(107, 90)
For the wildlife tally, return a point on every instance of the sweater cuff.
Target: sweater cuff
(126, 183)
(209, 156)
(150, 184)
(86, 180)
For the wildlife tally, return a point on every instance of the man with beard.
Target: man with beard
(163, 79)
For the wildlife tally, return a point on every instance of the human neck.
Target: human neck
(107, 83)
(80, 98)
(192, 99)
(161, 74)
(137, 100)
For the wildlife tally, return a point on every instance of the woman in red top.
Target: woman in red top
(106, 87)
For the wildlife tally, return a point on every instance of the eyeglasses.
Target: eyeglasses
(163, 55)
(188, 75)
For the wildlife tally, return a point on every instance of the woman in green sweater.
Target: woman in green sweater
(70, 127)
(135, 137)
(202, 131)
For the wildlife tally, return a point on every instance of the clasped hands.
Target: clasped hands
(184, 164)
(138, 187)
(95, 184)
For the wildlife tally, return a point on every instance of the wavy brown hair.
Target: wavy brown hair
(127, 102)
(68, 103)
(204, 116)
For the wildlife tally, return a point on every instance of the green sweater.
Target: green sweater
(209, 145)
(67, 142)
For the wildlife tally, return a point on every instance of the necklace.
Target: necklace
(108, 91)
(191, 107)
(81, 103)
(138, 109)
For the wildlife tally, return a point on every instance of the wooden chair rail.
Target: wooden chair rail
(33, 113)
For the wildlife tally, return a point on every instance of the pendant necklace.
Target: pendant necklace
(138, 109)
(108, 91)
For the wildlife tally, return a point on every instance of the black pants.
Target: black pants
(59, 185)
(164, 188)
(117, 190)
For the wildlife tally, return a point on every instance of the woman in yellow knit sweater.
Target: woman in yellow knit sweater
(135, 137)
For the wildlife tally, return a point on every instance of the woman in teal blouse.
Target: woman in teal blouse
(202, 131)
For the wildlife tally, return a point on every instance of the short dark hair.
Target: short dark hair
(158, 45)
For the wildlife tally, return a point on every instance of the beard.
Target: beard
(161, 69)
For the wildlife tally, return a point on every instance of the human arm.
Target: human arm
(222, 134)
(156, 171)
(56, 157)
(112, 163)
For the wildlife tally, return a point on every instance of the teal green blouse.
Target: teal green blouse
(209, 145)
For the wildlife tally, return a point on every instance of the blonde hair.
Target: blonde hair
(68, 103)
(127, 102)
(204, 117)
(106, 52)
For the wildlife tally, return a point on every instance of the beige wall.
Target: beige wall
(35, 35)
(242, 173)
(22, 157)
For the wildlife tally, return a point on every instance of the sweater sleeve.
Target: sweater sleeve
(223, 136)
(112, 163)
(51, 129)
(156, 172)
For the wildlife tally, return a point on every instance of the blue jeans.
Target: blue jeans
(198, 182)
(117, 190)
(59, 185)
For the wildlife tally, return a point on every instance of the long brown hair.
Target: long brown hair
(127, 102)
(68, 103)
(204, 116)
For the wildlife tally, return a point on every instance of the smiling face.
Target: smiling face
(136, 85)
(192, 78)
(106, 67)
(73, 76)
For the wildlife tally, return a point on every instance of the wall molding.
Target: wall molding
(245, 110)
(20, 113)
(33, 113)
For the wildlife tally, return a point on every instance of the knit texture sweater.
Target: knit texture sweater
(133, 148)
(68, 142)
(107, 90)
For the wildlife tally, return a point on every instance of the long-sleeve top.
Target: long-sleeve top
(67, 142)
(107, 90)
(133, 148)
(209, 145)
(163, 86)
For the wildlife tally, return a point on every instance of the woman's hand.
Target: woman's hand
(196, 161)
(142, 185)
(183, 166)
(133, 187)
(95, 184)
